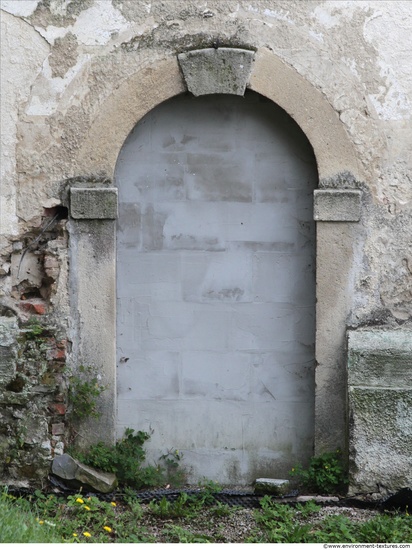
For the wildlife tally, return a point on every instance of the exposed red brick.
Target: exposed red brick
(59, 354)
(57, 350)
(57, 408)
(34, 305)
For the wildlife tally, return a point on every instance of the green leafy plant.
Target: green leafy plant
(308, 509)
(278, 523)
(179, 534)
(167, 509)
(222, 510)
(84, 389)
(33, 329)
(171, 463)
(82, 518)
(19, 523)
(209, 488)
(326, 473)
(125, 459)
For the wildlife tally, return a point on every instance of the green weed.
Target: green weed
(278, 523)
(87, 519)
(84, 390)
(183, 506)
(19, 523)
(326, 473)
(125, 459)
(178, 534)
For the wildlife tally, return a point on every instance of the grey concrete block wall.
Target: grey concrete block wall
(380, 410)
(216, 286)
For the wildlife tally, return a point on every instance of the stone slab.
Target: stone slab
(380, 358)
(93, 203)
(269, 486)
(337, 205)
(380, 440)
(71, 470)
(380, 405)
(216, 71)
(318, 499)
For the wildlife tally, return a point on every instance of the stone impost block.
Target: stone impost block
(337, 205)
(93, 203)
(217, 71)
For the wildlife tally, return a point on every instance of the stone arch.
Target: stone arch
(338, 170)
(269, 76)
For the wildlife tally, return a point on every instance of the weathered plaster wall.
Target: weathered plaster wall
(72, 55)
(63, 62)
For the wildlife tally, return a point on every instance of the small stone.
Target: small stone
(269, 486)
(317, 498)
(322, 500)
(58, 429)
(5, 269)
(58, 448)
(79, 475)
(305, 498)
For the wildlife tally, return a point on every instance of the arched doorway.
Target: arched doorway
(216, 286)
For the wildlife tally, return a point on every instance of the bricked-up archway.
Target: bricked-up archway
(216, 286)
(337, 204)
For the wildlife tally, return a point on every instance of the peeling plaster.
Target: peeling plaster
(103, 18)
(21, 8)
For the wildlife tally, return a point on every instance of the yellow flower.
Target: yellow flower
(107, 528)
(86, 507)
(41, 522)
(74, 534)
(86, 534)
(80, 500)
(113, 503)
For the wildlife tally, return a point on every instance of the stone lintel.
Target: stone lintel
(93, 203)
(337, 205)
(217, 71)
